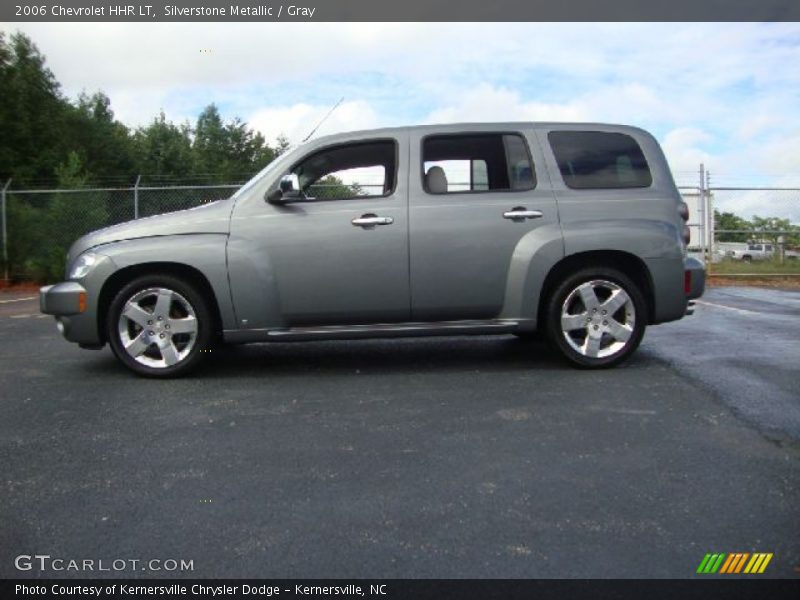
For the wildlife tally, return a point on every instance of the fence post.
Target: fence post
(701, 208)
(709, 217)
(136, 197)
(5, 232)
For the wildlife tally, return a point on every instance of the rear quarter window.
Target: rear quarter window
(599, 160)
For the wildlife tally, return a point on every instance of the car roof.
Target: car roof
(479, 127)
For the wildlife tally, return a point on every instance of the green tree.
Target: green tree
(66, 216)
(104, 144)
(763, 225)
(246, 152)
(210, 139)
(227, 152)
(725, 222)
(31, 114)
(164, 149)
(282, 144)
(331, 187)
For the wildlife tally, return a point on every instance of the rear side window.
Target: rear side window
(599, 160)
(476, 162)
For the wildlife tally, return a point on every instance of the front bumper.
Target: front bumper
(70, 304)
(75, 311)
(695, 278)
(75, 304)
(63, 299)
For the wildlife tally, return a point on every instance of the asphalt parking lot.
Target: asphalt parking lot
(444, 457)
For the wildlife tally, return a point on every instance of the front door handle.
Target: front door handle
(520, 213)
(371, 220)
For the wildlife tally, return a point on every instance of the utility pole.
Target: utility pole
(701, 207)
(709, 216)
(136, 197)
(5, 232)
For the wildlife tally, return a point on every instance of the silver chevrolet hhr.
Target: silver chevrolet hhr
(573, 231)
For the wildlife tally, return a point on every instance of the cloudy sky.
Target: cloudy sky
(727, 95)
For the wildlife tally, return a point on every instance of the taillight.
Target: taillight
(687, 282)
(683, 211)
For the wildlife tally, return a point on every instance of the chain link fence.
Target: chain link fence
(40, 225)
(744, 231)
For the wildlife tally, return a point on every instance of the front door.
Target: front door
(338, 255)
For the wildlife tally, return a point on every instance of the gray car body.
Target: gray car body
(447, 264)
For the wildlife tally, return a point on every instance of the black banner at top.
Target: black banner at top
(394, 10)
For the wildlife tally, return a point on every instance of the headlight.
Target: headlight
(82, 265)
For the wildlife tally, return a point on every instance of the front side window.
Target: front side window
(599, 160)
(476, 162)
(349, 171)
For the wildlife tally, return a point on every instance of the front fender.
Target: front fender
(204, 252)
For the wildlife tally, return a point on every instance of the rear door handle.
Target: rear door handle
(371, 220)
(520, 213)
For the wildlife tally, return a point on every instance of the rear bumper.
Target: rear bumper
(694, 278)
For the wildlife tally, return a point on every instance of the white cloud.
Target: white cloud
(683, 148)
(781, 156)
(487, 103)
(297, 121)
(723, 94)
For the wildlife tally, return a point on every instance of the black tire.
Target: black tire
(195, 347)
(568, 290)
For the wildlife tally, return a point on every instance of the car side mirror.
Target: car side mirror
(288, 190)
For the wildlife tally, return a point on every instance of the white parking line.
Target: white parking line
(18, 300)
(742, 311)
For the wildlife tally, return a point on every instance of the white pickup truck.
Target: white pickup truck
(760, 252)
(753, 252)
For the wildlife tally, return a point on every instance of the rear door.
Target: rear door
(472, 197)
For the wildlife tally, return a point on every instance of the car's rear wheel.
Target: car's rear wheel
(596, 317)
(159, 326)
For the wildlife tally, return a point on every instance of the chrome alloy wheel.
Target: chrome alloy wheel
(598, 318)
(157, 327)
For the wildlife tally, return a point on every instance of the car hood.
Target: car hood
(208, 218)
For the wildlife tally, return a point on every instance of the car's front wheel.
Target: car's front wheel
(159, 326)
(596, 317)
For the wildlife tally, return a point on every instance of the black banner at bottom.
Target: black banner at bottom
(411, 589)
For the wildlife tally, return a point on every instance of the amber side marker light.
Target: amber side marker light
(82, 302)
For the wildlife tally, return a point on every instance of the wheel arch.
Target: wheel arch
(629, 264)
(122, 277)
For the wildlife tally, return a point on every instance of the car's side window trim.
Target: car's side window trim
(502, 134)
(386, 194)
